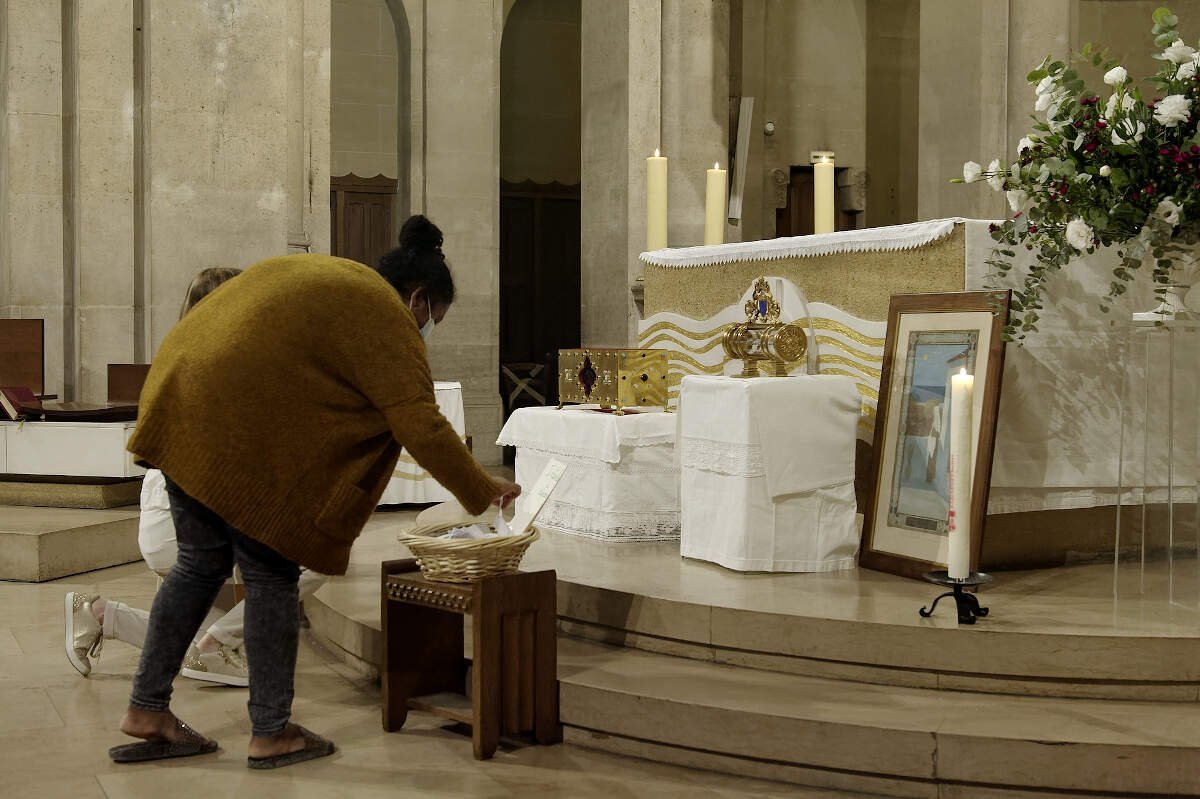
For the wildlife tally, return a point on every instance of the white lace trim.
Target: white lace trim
(610, 525)
(722, 457)
(584, 454)
(894, 237)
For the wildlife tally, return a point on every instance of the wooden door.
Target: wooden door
(539, 275)
(361, 213)
(23, 354)
(796, 219)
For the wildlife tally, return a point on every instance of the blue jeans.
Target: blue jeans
(208, 547)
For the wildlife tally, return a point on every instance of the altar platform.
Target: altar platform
(833, 680)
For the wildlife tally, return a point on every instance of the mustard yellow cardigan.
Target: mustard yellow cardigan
(281, 402)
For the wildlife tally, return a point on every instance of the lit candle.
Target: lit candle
(962, 387)
(714, 207)
(823, 191)
(656, 201)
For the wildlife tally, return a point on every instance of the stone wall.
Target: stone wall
(364, 90)
(144, 140)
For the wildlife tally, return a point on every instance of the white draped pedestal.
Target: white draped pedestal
(67, 449)
(767, 472)
(410, 484)
(621, 482)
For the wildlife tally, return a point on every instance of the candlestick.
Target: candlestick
(714, 207)
(656, 201)
(962, 387)
(823, 191)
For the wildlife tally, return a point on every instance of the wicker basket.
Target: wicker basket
(465, 560)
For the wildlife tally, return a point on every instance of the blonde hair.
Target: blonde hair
(203, 284)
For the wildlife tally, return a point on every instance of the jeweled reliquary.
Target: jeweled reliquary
(613, 378)
(762, 339)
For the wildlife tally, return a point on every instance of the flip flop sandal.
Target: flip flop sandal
(314, 746)
(193, 744)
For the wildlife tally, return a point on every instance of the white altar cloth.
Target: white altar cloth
(410, 484)
(767, 472)
(621, 482)
(67, 449)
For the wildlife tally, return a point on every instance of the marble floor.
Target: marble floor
(55, 728)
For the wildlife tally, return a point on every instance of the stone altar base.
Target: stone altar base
(832, 680)
(38, 544)
(52, 492)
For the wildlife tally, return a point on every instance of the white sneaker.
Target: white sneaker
(84, 637)
(226, 666)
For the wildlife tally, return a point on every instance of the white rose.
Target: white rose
(1124, 102)
(1172, 109)
(1079, 235)
(1169, 211)
(1016, 199)
(1116, 76)
(1186, 71)
(996, 178)
(1105, 171)
(1046, 84)
(971, 172)
(1178, 52)
(1133, 134)
(1044, 101)
(1024, 144)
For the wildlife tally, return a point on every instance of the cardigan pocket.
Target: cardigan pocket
(345, 513)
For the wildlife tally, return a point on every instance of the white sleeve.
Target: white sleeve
(156, 528)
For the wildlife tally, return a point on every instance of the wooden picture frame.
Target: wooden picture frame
(928, 337)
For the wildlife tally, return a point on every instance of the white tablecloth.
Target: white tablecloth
(767, 480)
(69, 449)
(621, 482)
(412, 484)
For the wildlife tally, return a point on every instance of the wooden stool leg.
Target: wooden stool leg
(486, 686)
(547, 729)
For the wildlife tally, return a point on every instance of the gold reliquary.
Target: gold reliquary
(762, 340)
(613, 378)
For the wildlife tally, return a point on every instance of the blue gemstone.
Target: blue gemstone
(762, 307)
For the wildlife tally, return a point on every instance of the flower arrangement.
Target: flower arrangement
(1099, 171)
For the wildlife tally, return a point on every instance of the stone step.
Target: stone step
(38, 544)
(891, 740)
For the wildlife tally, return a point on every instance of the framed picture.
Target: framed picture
(931, 337)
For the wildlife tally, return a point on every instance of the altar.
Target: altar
(1054, 481)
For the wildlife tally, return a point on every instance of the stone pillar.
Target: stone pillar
(695, 110)
(1037, 28)
(216, 143)
(461, 103)
(963, 104)
(102, 223)
(308, 126)
(31, 173)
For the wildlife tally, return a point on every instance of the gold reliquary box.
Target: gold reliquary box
(613, 378)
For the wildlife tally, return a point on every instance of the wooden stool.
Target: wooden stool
(514, 683)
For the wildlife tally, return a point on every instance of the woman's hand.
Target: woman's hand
(506, 490)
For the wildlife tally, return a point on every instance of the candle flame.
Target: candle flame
(963, 371)
(716, 165)
(656, 152)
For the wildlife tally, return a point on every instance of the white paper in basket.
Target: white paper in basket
(527, 510)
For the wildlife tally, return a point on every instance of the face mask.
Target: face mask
(427, 328)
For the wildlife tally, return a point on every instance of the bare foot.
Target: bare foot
(290, 740)
(157, 725)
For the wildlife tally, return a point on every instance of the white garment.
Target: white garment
(767, 472)
(156, 539)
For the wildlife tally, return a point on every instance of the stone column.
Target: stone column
(102, 223)
(963, 104)
(461, 105)
(31, 172)
(216, 143)
(1037, 28)
(628, 112)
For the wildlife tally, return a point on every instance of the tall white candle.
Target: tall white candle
(714, 206)
(656, 201)
(823, 192)
(962, 388)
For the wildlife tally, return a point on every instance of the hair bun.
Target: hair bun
(418, 233)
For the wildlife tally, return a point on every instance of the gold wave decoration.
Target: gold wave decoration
(663, 338)
(843, 361)
(821, 323)
(673, 356)
(865, 390)
(658, 327)
(846, 348)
